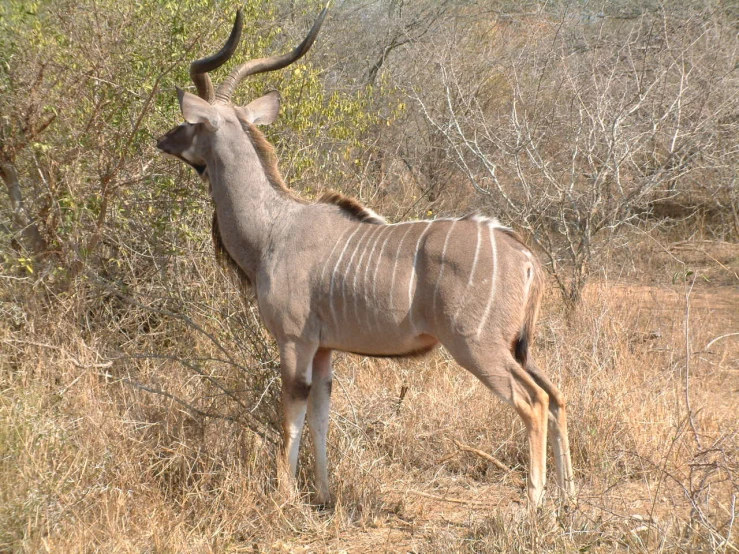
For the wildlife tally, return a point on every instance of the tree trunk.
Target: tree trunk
(32, 242)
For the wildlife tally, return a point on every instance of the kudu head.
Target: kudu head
(210, 115)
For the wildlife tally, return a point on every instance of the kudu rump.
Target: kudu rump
(333, 275)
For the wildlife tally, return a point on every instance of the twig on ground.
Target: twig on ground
(442, 498)
(706, 347)
(492, 459)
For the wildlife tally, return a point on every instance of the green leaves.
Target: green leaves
(92, 179)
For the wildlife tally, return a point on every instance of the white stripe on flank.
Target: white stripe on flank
(374, 276)
(367, 269)
(337, 243)
(372, 253)
(359, 267)
(472, 275)
(379, 259)
(493, 280)
(441, 269)
(333, 275)
(395, 265)
(412, 279)
(368, 230)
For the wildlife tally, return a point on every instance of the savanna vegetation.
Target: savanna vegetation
(139, 393)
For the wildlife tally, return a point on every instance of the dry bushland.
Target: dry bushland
(139, 394)
(153, 448)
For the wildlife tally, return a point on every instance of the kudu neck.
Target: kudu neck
(250, 208)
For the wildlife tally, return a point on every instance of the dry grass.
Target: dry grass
(91, 461)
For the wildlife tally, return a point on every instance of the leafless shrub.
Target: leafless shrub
(578, 127)
(137, 399)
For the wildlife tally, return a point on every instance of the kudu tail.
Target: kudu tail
(533, 290)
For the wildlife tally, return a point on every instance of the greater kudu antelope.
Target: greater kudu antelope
(333, 275)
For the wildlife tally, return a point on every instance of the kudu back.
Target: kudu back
(333, 275)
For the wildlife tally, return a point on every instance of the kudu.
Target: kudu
(333, 275)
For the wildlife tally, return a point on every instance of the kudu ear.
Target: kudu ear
(196, 110)
(264, 110)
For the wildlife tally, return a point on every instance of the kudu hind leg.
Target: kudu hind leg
(557, 431)
(502, 374)
(318, 413)
(296, 370)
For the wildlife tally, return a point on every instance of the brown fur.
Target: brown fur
(266, 154)
(224, 258)
(267, 158)
(304, 319)
(535, 292)
(351, 207)
(522, 341)
(418, 353)
(515, 235)
(296, 389)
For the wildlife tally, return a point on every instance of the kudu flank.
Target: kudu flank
(333, 275)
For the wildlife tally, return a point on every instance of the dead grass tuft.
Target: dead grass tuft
(148, 424)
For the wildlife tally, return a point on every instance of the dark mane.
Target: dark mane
(515, 235)
(266, 154)
(351, 207)
(224, 258)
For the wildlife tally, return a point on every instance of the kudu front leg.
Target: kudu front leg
(296, 370)
(319, 401)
